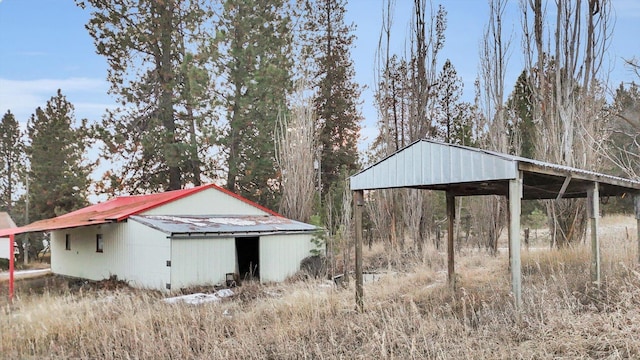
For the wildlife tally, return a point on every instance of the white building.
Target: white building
(5, 223)
(176, 239)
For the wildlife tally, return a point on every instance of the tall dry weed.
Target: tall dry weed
(411, 313)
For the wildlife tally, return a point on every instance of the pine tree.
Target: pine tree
(11, 160)
(449, 92)
(154, 133)
(253, 45)
(522, 131)
(328, 41)
(58, 175)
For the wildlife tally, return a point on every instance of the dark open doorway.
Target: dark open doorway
(248, 252)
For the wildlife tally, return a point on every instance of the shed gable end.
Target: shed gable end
(207, 202)
(428, 163)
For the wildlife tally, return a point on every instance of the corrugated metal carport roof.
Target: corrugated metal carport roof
(212, 226)
(461, 170)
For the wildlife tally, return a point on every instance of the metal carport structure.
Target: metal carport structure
(465, 171)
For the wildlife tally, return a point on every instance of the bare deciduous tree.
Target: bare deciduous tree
(493, 67)
(564, 57)
(295, 146)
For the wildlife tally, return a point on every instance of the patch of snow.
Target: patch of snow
(183, 220)
(231, 221)
(223, 293)
(200, 298)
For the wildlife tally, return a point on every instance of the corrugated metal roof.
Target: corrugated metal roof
(430, 163)
(118, 209)
(557, 167)
(222, 225)
(435, 165)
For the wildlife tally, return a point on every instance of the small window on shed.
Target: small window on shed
(67, 242)
(99, 243)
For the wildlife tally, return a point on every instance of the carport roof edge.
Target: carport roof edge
(432, 164)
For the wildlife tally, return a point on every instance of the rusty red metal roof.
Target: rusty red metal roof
(118, 209)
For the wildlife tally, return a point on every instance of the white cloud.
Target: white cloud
(22, 97)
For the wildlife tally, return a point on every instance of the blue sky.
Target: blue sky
(44, 46)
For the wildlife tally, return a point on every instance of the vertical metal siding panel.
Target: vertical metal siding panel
(82, 260)
(425, 173)
(465, 167)
(436, 164)
(476, 165)
(280, 255)
(57, 248)
(201, 261)
(4, 248)
(488, 164)
(373, 179)
(354, 182)
(454, 175)
(206, 202)
(400, 174)
(408, 171)
(380, 178)
(429, 168)
(416, 165)
(147, 252)
(390, 170)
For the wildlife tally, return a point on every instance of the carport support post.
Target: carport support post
(451, 217)
(515, 198)
(358, 200)
(11, 265)
(636, 200)
(593, 204)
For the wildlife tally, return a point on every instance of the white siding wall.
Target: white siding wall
(201, 261)
(147, 253)
(141, 260)
(82, 260)
(4, 248)
(206, 202)
(280, 255)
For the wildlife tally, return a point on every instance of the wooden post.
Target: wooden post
(593, 205)
(11, 266)
(508, 232)
(636, 200)
(515, 198)
(451, 217)
(358, 201)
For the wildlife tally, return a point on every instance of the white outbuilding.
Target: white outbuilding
(176, 239)
(6, 222)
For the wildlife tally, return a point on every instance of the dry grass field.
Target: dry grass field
(410, 313)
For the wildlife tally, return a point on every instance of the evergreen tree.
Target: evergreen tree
(253, 45)
(522, 131)
(462, 124)
(154, 133)
(11, 160)
(449, 92)
(328, 42)
(58, 175)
